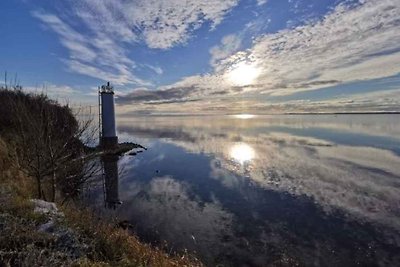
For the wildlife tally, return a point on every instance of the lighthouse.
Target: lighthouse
(108, 142)
(108, 135)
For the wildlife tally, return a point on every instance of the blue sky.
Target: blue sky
(232, 56)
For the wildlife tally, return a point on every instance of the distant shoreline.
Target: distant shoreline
(266, 114)
(343, 113)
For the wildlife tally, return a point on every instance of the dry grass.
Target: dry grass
(117, 247)
(21, 244)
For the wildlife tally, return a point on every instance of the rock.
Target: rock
(66, 240)
(44, 207)
(47, 227)
(50, 210)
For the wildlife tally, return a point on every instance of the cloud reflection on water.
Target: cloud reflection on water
(270, 180)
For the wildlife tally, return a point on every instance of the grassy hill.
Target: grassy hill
(42, 154)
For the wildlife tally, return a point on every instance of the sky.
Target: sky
(207, 57)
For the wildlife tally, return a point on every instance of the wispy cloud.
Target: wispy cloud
(229, 45)
(92, 55)
(261, 2)
(164, 24)
(112, 27)
(351, 43)
(161, 24)
(158, 70)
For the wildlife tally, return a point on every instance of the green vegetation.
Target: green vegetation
(42, 151)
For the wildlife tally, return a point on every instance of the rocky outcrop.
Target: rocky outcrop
(66, 240)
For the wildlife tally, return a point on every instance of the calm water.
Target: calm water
(266, 190)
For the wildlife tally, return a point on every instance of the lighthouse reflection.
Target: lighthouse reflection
(110, 181)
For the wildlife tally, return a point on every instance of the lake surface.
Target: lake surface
(264, 190)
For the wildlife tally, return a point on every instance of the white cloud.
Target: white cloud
(161, 24)
(172, 21)
(229, 44)
(261, 2)
(92, 55)
(156, 69)
(76, 43)
(348, 44)
(111, 27)
(351, 43)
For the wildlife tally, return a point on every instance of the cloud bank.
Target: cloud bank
(355, 41)
(351, 43)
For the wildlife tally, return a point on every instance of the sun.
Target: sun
(242, 153)
(243, 74)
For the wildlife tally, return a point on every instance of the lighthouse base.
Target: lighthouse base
(109, 142)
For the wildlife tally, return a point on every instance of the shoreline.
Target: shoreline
(265, 114)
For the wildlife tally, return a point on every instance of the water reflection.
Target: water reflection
(307, 195)
(111, 181)
(242, 153)
(244, 116)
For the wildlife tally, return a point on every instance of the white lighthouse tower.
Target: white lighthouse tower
(108, 135)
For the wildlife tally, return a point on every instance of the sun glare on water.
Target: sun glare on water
(244, 116)
(242, 153)
(243, 74)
